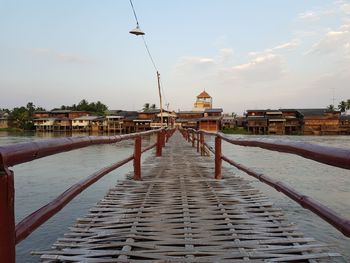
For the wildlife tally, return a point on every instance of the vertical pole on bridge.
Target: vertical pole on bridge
(218, 160)
(7, 216)
(137, 158)
(159, 144)
(197, 142)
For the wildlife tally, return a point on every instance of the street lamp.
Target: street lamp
(137, 31)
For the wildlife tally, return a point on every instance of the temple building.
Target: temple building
(204, 101)
(203, 116)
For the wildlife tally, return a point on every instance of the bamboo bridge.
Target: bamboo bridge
(180, 206)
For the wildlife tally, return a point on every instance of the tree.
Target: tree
(145, 107)
(153, 107)
(234, 115)
(348, 104)
(342, 106)
(330, 107)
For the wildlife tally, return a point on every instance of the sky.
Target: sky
(246, 54)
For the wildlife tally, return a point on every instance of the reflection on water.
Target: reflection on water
(39, 181)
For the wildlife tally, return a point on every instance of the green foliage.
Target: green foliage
(95, 107)
(147, 106)
(330, 107)
(342, 106)
(22, 117)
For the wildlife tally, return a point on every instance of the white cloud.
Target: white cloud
(268, 67)
(337, 8)
(333, 42)
(284, 47)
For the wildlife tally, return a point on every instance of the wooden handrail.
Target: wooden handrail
(11, 155)
(324, 154)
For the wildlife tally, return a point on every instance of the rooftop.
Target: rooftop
(213, 110)
(203, 94)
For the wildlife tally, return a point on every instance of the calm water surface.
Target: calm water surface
(41, 180)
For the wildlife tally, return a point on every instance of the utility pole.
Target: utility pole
(160, 100)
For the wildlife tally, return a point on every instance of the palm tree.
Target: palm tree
(342, 106)
(330, 107)
(348, 104)
(153, 107)
(145, 107)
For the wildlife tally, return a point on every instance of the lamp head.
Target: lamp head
(137, 31)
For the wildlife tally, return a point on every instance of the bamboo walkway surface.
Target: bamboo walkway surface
(179, 213)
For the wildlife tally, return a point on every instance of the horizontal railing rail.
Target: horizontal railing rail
(324, 154)
(25, 152)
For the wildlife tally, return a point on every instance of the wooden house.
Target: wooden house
(142, 125)
(293, 121)
(62, 125)
(211, 121)
(257, 122)
(188, 119)
(345, 124)
(44, 124)
(228, 122)
(320, 122)
(276, 122)
(85, 123)
(4, 120)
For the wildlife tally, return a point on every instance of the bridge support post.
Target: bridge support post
(159, 144)
(202, 143)
(7, 216)
(137, 158)
(193, 139)
(197, 142)
(218, 160)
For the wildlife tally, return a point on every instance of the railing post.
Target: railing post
(7, 216)
(137, 158)
(193, 139)
(218, 155)
(159, 144)
(202, 143)
(197, 142)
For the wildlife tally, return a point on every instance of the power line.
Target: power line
(148, 52)
(133, 9)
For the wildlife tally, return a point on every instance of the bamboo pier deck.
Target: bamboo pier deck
(179, 213)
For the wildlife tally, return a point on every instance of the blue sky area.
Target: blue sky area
(246, 54)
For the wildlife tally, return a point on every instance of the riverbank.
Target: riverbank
(11, 130)
(237, 130)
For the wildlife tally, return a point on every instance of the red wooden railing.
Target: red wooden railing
(324, 154)
(11, 234)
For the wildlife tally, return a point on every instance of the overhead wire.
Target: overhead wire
(147, 48)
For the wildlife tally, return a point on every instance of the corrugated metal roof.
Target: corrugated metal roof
(213, 110)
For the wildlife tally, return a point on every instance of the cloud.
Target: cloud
(333, 42)
(268, 67)
(58, 56)
(288, 46)
(186, 64)
(337, 8)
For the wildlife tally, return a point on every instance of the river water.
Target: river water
(40, 181)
